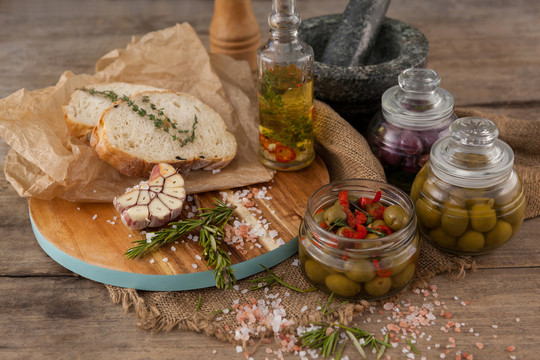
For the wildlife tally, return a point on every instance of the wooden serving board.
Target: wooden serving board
(90, 239)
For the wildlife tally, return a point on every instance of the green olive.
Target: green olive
(378, 286)
(479, 200)
(516, 214)
(370, 236)
(471, 241)
(334, 213)
(342, 285)
(377, 223)
(319, 217)
(315, 271)
(432, 191)
(482, 217)
(361, 271)
(404, 277)
(442, 239)
(396, 262)
(454, 221)
(418, 183)
(396, 217)
(500, 234)
(427, 213)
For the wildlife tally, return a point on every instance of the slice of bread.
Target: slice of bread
(84, 110)
(133, 144)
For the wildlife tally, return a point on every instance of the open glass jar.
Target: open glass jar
(368, 268)
(414, 115)
(469, 199)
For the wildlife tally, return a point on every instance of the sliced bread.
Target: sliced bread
(133, 140)
(84, 110)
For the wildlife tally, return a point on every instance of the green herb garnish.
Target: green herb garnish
(265, 281)
(325, 339)
(161, 121)
(210, 223)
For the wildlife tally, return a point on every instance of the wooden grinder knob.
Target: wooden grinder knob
(234, 30)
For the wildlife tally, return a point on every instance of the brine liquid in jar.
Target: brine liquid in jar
(286, 118)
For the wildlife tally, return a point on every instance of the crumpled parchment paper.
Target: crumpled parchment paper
(44, 162)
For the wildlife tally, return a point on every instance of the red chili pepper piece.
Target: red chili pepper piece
(384, 229)
(384, 273)
(361, 231)
(324, 225)
(376, 210)
(377, 197)
(343, 198)
(376, 264)
(284, 153)
(360, 219)
(351, 234)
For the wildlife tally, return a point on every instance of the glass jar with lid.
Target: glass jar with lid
(414, 114)
(469, 199)
(372, 266)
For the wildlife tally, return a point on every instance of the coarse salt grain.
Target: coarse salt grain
(198, 257)
(173, 248)
(165, 259)
(94, 217)
(194, 266)
(151, 261)
(239, 349)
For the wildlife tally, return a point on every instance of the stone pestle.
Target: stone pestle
(351, 43)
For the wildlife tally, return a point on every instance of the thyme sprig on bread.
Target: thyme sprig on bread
(161, 121)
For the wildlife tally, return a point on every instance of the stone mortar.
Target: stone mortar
(355, 92)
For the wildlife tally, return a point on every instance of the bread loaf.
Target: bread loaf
(133, 143)
(84, 110)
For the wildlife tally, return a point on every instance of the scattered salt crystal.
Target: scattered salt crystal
(239, 349)
(198, 257)
(280, 242)
(304, 308)
(215, 171)
(165, 259)
(129, 235)
(295, 262)
(78, 208)
(214, 351)
(190, 215)
(151, 261)
(388, 306)
(236, 287)
(194, 266)
(494, 326)
(518, 319)
(94, 217)
(94, 191)
(173, 248)
(244, 291)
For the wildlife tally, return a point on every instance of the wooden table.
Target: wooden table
(488, 55)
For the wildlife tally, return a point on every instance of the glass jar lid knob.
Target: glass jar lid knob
(474, 131)
(419, 80)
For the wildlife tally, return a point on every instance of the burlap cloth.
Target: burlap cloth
(346, 154)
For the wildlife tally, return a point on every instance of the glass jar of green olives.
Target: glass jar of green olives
(414, 114)
(469, 199)
(373, 267)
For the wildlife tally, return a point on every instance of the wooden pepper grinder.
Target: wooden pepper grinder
(234, 30)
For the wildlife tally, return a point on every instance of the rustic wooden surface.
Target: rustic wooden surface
(71, 228)
(488, 55)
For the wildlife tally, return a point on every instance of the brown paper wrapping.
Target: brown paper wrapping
(44, 162)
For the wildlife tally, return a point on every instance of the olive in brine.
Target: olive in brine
(404, 277)
(482, 217)
(378, 286)
(517, 213)
(333, 214)
(500, 234)
(342, 285)
(442, 239)
(395, 217)
(361, 271)
(471, 241)
(315, 271)
(427, 213)
(454, 221)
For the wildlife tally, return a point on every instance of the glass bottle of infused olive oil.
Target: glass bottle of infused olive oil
(285, 89)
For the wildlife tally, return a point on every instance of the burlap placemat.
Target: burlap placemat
(346, 155)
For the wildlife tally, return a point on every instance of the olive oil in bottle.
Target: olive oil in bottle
(285, 82)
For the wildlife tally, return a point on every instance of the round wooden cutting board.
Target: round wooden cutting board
(90, 239)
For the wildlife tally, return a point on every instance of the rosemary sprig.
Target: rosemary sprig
(325, 338)
(210, 223)
(325, 310)
(161, 121)
(337, 224)
(413, 349)
(198, 304)
(265, 281)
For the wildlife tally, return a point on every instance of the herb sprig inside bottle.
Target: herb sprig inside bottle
(161, 121)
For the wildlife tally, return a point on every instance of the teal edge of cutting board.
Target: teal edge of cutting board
(191, 281)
